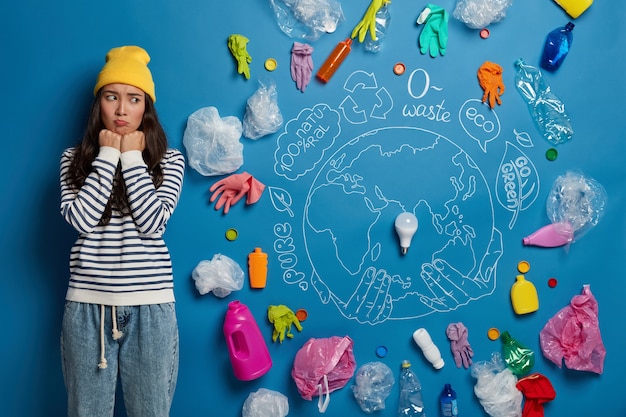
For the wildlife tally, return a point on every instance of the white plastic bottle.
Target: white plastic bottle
(430, 350)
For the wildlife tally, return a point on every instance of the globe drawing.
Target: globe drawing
(348, 227)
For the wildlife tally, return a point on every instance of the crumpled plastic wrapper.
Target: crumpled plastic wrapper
(221, 275)
(262, 116)
(577, 200)
(307, 19)
(478, 14)
(374, 381)
(573, 335)
(265, 403)
(496, 388)
(212, 142)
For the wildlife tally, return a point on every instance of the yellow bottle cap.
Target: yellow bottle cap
(493, 333)
(270, 64)
(231, 234)
(523, 267)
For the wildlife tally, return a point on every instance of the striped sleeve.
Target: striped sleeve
(83, 208)
(151, 208)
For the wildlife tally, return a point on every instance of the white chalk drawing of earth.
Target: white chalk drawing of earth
(349, 230)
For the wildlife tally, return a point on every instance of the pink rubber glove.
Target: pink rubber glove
(301, 64)
(232, 189)
(460, 347)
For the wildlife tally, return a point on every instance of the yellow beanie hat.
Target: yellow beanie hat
(127, 65)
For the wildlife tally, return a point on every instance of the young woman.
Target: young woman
(119, 187)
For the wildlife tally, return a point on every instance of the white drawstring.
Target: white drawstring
(323, 405)
(115, 333)
(103, 360)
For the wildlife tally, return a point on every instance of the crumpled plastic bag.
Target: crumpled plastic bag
(374, 381)
(307, 19)
(496, 388)
(322, 366)
(212, 142)
(262, 113)
(221, 275)
(265, 403)
(573, 335)
(478, 14)
(577, 200)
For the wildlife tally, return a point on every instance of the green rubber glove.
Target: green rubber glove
(434, 36)
(237, 46)
(368, 23)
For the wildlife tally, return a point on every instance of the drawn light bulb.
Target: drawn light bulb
(406, 226)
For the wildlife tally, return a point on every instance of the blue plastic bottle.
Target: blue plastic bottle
(558, 44)
(447, 400)
(411, 403)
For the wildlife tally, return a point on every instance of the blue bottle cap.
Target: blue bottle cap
(381, 351)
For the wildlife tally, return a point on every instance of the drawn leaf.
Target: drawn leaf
(517, 184)
(281, 200)
(523, 139)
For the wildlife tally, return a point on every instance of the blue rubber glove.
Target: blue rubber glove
(434, 36)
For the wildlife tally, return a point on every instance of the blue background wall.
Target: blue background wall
(51, 55)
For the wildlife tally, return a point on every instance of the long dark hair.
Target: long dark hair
(88, 148)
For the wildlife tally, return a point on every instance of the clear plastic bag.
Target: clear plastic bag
(373, 385)
(212, 142)
(221, 275)
(307, 19)
(265, 403)
(478, 14)
(496, 388)
(577, 200)
(262, 116)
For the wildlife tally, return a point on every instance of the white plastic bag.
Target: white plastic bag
(212, 142)
(221, 275)
(265, 403)
(262, 116)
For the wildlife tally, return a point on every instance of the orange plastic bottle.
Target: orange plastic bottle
(257, 268)
(334, 60)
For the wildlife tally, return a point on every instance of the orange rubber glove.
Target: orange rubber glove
(490, 80)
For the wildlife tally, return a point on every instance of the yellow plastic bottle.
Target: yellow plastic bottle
(257, 268)
(574, 8)
(524, 296)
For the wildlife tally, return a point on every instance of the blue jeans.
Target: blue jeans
(145, 358)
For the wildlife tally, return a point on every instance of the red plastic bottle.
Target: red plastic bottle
(248, 352)
(334, 60)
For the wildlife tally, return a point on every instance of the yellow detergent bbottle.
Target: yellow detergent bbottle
(574, 8)
(524, 296)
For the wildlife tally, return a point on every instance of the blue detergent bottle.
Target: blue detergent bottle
(447, 401)
(558, 44)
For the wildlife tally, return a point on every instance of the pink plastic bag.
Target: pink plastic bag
(322, 366)
(573, 334)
